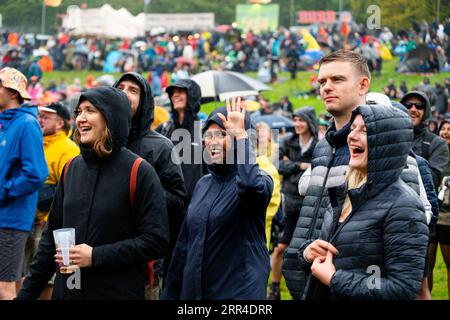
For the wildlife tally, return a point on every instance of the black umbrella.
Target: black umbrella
(274, 121)
(220, 84)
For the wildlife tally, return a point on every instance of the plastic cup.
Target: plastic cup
(64, 240)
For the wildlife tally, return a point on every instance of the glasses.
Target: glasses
(419, 106)
(218, 134)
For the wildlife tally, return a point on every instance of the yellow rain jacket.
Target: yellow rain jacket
(266, 165)
(58, 149)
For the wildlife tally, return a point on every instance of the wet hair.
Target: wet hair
(354, 58)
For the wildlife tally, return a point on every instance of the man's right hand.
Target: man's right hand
(317, 249)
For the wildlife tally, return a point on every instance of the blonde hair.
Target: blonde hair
(355, 179)
(271, 150)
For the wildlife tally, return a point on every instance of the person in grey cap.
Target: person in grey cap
(426, 144)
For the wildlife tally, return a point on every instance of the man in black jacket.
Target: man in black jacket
(157, 150)
(426, 144)
(185, 98)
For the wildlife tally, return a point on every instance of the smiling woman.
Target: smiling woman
(221, 251)
(107, 195)
(91, 129)
(375, 222)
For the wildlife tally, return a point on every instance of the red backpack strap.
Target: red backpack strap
(66, 170)
(151, 271)
(133, 181)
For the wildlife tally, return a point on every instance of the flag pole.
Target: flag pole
(43, 18)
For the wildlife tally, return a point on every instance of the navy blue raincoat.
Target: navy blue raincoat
(221, 251)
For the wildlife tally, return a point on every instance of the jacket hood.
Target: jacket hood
(224, 170)
(442, 124)
(389, 140)
(24, 108)
(113, 104)
(194, 94)
(309, 115)
(143, 119)
(422, 96)
(8, 115)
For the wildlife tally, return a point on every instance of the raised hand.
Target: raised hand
(234, 123)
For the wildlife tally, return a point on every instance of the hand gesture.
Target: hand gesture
(234, 123)
(323, 268)
(317, 249)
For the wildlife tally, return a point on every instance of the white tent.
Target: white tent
(104, 21)
(108, 22)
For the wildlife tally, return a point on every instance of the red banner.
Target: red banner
(310, 17)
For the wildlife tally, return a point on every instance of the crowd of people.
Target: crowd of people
(175, 56)
(192, 209)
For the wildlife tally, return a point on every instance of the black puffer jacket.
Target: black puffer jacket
(290, 169)
(329, 166)
(94, 198)
(157, 150)
(193, 169)
(386, 230)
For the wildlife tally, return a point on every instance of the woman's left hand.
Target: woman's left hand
(80, 255)
(323, 268)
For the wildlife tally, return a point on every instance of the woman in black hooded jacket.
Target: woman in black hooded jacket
(116, 232)
(374, 237)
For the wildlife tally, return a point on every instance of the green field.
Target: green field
(285, 87)
(290, 88)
